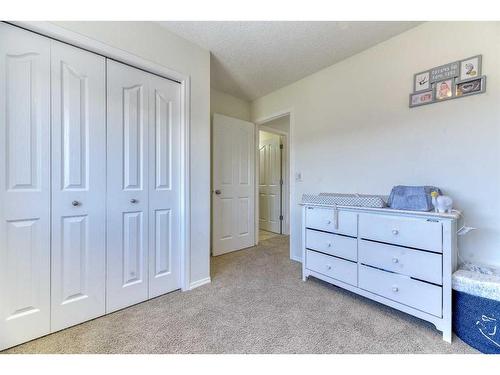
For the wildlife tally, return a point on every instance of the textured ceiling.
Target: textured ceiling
(252, 59)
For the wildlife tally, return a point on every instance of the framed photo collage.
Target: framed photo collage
(450, 81)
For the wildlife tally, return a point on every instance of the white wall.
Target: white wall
(352, 130)
(228, 105)
(154, 43)
(281, 124)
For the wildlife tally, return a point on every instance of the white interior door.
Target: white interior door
(269, 182)
(127, 186)
(24, 186)
(233, 183)
(78, 185)
(164, 185)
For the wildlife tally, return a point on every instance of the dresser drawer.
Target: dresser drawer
(405, 231)
(334, 244)
(335, 268)
(324, 219)
(415, 263)
(417, 294)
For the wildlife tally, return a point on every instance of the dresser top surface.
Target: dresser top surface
(455, 215)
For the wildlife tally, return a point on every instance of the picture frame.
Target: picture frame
(470, 68)
(470, 87)
(454, 80)
(421, 81)
(421, 98)
(444, 90)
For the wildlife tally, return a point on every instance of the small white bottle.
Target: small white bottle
(434, 196)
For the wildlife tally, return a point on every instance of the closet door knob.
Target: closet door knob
(328, 267)
(76, 203)
(133, 201)
(329, 244)
(395, 231)
(329, 222)
(217, 192)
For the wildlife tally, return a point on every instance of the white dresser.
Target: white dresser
(403, 259)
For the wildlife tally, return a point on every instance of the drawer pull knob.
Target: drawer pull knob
(395, 260)
(328, 267)
(328, 222)
(329, 244)
(395, 231)
(395, 289)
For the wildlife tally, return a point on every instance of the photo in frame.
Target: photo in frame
(470, 68)
(471, 87)
(421, 81)
(444, 89)
(421, 98)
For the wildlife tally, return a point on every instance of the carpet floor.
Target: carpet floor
(256, 303)
(264, 235)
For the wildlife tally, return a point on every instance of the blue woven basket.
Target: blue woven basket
(476, 320)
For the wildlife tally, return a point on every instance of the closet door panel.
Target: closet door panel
(164, 182)
(78, 90)
(24, 186)
(127, 186)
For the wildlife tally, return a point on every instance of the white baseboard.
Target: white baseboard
(296, 258)
(197, 283)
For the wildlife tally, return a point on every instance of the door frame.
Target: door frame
(70, 37)
(289, 188)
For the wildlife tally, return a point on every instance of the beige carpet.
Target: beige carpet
(257, 303)
(264, 235)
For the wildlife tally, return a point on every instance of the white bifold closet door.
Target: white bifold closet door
(24, 186)
(127, 189)
(143, 179)
(164, 185)
(90, 162)
(78, 185)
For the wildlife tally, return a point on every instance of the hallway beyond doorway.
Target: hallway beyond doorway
(265, 235)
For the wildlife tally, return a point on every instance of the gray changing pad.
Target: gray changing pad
(337, 199)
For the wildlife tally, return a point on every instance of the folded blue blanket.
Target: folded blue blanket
(414, 198)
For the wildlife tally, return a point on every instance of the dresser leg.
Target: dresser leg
(447, 335)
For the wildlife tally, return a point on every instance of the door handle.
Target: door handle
(76, 203)
(218, 192)
(133, 201)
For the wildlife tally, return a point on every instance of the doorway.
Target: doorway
(272, 178)
(270, 185)
(236, 181)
